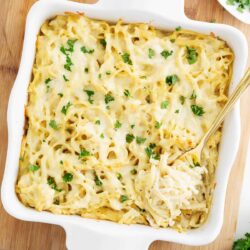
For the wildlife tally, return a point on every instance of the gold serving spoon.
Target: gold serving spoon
(197, 151)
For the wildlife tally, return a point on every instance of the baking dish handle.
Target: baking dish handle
(170, 8)
(79, 238)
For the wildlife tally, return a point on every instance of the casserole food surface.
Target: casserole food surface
(108, 106)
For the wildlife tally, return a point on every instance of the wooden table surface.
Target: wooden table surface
(19, 235)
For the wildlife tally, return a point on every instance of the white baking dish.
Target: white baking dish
(91, 234)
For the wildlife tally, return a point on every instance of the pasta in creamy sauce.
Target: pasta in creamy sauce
(109, 105)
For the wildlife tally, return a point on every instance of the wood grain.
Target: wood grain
(19, 235)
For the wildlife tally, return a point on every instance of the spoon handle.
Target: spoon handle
(241, 87)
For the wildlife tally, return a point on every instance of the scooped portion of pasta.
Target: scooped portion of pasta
(109, 105)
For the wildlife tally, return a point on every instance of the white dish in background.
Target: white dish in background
(91, 234)
(232, 9)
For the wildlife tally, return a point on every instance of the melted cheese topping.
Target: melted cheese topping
(109, 106)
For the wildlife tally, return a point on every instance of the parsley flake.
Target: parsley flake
(123, 198)
(66, 108)
(172, 79)
(84, 153)
(33, 168)
(53, 124)
(119, 176)
(129, 138)
(98, 182)
(151, 53)
(87, 51)
(140, 140)
(51, 182)
(109, 98)
(158, 124)
(193, 96)
(133, 171)
(65, 78)
(67, 177)
(126, 58)
(197, 110)
(192, 55)
(164, 104)
(182, 99)
(90, 93)
(117, 124)
(126, 93)
(166, 53)
(103, 43)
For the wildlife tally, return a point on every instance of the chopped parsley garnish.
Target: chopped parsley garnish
(61, 162)
(90, 93)
(109, 98)
(119, 176)
(129, 138)
(60, 94)
(108, 72)
(84, 153)
(99, 76)
(166, 53)
(86, 70)
(164, 104)
(133, 171)
(67, 177)
(102, 136)
(132, 126)
(243, 243)
(98, 182)
(66, 52)
(66, 108)
(70, 48)
(192, 55)
(140, 140)
(197, 110)
(177, 111)
(123, 198)
(33, 168)
(182, 99)
(98, 122)
(68, 64)
(158, 124)
(71, 44)
(103, 43)
(241, 4)
(172, 79)
(117, 124)
(126, 93)
(48, 80)
(126, 58)
(65, 78)
(172, 40)
(178, 28)
(87, 51)
(151, 153)
(151, 53)
(51, 182)
(53, 124)
(193, 96)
